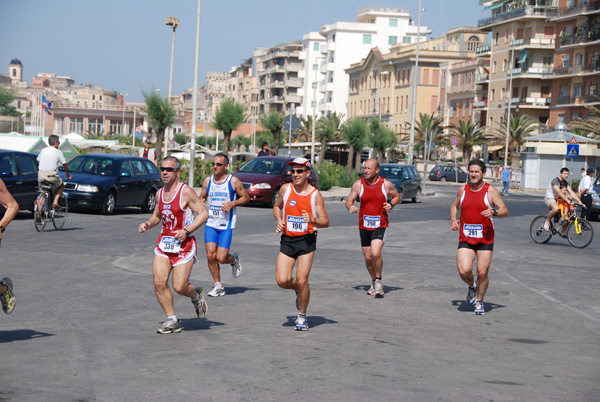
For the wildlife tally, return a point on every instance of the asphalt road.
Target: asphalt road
(84, 328)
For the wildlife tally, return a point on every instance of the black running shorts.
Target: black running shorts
(297, 246)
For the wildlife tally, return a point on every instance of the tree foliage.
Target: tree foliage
(381, 139)
(469, 134)
(520, 128)
(355, 132)
(329, 128)
(429, 127)
(274, 123)
(6, 97)
(229, 117)
(591, 124)
(161, 115)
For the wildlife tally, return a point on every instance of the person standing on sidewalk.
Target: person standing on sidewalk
(586, 193)
(298, 211)
(478, 203)
(7, 297)
(176, 247)
(219, 193)
(373, 192)
(506, 180)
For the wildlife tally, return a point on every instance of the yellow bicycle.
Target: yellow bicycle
(579, 231)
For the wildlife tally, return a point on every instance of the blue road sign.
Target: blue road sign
(572, 150)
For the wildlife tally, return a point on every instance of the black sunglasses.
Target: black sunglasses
(218, 164)
(167, 169)
(292, 171)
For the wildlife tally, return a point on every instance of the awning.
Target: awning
(494, 148)
(522, 56)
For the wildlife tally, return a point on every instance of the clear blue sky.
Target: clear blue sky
(123, 45)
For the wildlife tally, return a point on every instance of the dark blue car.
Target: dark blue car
(105, 181)
(19, 171)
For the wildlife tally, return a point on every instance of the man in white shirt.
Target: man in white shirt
(49, 160)
(586, 192)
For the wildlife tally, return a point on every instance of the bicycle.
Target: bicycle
(43, 211)
(579, 231)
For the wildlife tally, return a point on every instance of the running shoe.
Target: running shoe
(378, 288)
(236, 267)
(200, 304)
(8, 299)
(301, 323)
(479, 308)
(217, 291)
(371, 290)
(170, 327)
(472, 294)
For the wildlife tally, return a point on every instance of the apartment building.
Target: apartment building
(311, 97)
(576, 73)
(381, 84)
(521, 58)
(217, 83)
(349, 42)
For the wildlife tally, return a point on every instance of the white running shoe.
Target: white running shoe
(479, 308)
(200, 304)
(378, 288)
(371, 290)
(472, 294)
(217, 291)
(236, 267)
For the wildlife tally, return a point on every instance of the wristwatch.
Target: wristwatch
(2, 229)
(495, 213)
(187, 233)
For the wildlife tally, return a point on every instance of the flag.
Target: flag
(46, 104)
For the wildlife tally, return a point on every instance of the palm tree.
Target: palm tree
(304, 131)
(355, 133)
(161, 115)
(229, 117)
(469, 135)
(429, 127)
(520, 128)
(274, 123)
(591, 124)
(381, 139)
(328, 128)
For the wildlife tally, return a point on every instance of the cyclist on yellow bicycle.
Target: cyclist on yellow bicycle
(554, 192)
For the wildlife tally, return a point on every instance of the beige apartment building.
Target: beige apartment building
(380, 85)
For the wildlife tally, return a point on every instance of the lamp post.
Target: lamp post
(174, 23)
(123, 107)
(195, 99)
(414, 84)
(509, 106)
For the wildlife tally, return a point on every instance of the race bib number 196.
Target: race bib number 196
(474, 231)
(371, 222)
(296, 224)
(169, 244)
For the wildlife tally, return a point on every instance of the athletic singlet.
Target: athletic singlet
(474, 227)
(293, 205)
(371, 214)
(173, 218)
(217, 195)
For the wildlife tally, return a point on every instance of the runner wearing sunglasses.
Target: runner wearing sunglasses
(219, 193)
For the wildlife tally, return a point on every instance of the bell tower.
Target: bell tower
(15, 70)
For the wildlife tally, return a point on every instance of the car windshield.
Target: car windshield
(264, 166)
(393, 173)
(93, 165)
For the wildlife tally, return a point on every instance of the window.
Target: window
(393, 22)
(577, 89)
(316, 46)
(138, 168)
(76, 125)
(367, 39)
(579, 59)
(494, 67)
(504, 63)
(406, 39)
(565, 60)
(451, 109)
(392, 40)
(150, 167)
(27, 164)
(593, 89)
(493, 94)
(95, 126)
(59, 125)
(496, 38)
(125, 169)
(506, 36)
(473, 43)
(563, 90)
(315, 67)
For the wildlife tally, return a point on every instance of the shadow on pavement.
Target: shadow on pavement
(313, 321)
(21, 335)
(386, 289)
(463, 305)
(196, 324)
(236, 290)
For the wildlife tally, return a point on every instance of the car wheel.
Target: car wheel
(108, 206)
(443, 179)
(417, 196)
(150, 202)
(274, 199)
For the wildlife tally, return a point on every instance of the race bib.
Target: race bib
(371, 222)
(296, 224)
(169, 244)
(474, 231)
(215, 212)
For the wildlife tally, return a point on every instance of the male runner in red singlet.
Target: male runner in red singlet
(7, 297)
(372, 191)
(176, 247)
(478, 203)
(299, 211)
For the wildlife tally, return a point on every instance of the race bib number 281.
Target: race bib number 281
(474, 231)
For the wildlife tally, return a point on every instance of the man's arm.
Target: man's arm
(497, 205)
(322, 220)
(278, 209)
(239, 189)
(152, 221)
(352, 197)
(455, 222)
(573, 194)
(204, 191)
(191, 200)
(8, 202)
(391, 190)
(66, 167)
(560, 193)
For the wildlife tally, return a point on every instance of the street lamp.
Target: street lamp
(414, 84)
(123, 107)
(508, 108)
(194, 99)
(174, 23)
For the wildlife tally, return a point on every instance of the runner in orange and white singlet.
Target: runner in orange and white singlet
(176, 247)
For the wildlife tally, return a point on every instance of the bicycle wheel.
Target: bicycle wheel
(580, 233)
(39, 213)
(537, 232)
(59, 216)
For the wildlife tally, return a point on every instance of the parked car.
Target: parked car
(263, 177)
(448, 173)
(596, 199)
(405, 178)
(19, 171)
(105, 181)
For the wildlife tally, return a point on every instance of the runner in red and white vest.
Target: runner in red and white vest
(478, 203)
(373, 191)
(7, 297)
(176, 247)
(299, 211)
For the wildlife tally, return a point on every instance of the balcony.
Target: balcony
(294, 67)
(276, 84)
(513, 101)
(579, 100)
(330, 46)
(579, 38)
(531, 72)
(591, 68)
(508, 13)
(483, 50)
(480, 104)
(302, 55)
(534, 102)
(533, 43)
(293, 82)
(293, 98)
(566, 13)
(480, 78)
(326, 87)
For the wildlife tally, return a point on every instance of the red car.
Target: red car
(263, 177)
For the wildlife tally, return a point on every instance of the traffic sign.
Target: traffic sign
(295, 123)
(573, 141)
(454, 140)
(572, 150)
